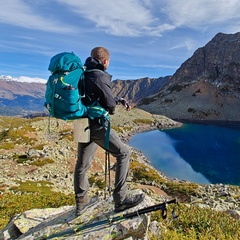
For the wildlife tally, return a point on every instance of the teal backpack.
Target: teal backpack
(65, 89)
(63, 99)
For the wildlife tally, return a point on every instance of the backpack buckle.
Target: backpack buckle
(57, 95)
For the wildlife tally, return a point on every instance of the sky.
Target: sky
(146, 38)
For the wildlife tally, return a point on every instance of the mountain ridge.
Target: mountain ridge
(19, 97)
(206, 86)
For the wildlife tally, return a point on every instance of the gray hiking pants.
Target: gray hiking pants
(85, 156)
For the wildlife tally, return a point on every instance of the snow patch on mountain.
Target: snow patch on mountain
(23, 79)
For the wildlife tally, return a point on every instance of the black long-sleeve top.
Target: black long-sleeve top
(98, 85)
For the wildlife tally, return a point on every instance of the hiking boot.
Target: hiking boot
(83, 203)
(129, 202)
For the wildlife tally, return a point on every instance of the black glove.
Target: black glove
(124, 102)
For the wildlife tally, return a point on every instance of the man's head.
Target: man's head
(102, 54)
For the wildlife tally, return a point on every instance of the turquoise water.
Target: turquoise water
(194, 152)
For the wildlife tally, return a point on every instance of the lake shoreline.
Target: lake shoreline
(234, 125)
(230, 124)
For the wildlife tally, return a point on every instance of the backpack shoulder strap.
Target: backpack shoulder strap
(94, 70)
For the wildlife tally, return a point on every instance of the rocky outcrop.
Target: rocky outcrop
(206, 86)
(60, 223)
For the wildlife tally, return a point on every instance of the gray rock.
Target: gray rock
(61, 223)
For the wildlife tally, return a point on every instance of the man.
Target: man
(98, 87)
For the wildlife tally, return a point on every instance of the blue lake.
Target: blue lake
(195, 152)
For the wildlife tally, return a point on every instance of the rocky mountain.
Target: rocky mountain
(135, 90)
(24, 96)
(206, 86)
(19, 96)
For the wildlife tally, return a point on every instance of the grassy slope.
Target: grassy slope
(193, 222)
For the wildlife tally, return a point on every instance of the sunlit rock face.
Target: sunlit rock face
(206, 86)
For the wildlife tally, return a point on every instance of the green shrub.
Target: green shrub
(202, 224)
(43, 187)
(181, 188)
(7, 145)
(142, 121)
(33, 160)
(140, 171)
(39, 162)
(100, 183)
(121, 129)
(12, 204)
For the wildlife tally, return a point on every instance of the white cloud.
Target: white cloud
(201, 13)
(24, 47)
(155, 66)
(189, 44)
(19, 13)
(120, 18)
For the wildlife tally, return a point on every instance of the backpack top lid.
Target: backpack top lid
(64, 62)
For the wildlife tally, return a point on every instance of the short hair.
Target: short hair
(100, 53)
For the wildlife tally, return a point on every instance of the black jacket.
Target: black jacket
(98, 85)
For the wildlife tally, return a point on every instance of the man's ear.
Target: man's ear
(105, 63)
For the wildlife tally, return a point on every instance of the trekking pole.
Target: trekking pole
(106, 169)
(161, 206)
(107, 175)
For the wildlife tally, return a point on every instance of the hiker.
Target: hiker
(98, 87)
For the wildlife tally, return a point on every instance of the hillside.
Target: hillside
(135, 90)
(37, 175)
(206, 86)
(20, 98)
(27, 98)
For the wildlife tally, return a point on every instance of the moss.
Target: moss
(181, 189)
(39, 147)
(67, 134)
(7, 145)
(39, 162)
(15, 132)
(33, 187)
(99, 182)
(121, 129)
(117, 129)
(140, 171)
(22, 158)
(142, 121)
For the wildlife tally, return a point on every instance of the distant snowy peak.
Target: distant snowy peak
(23, 79)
